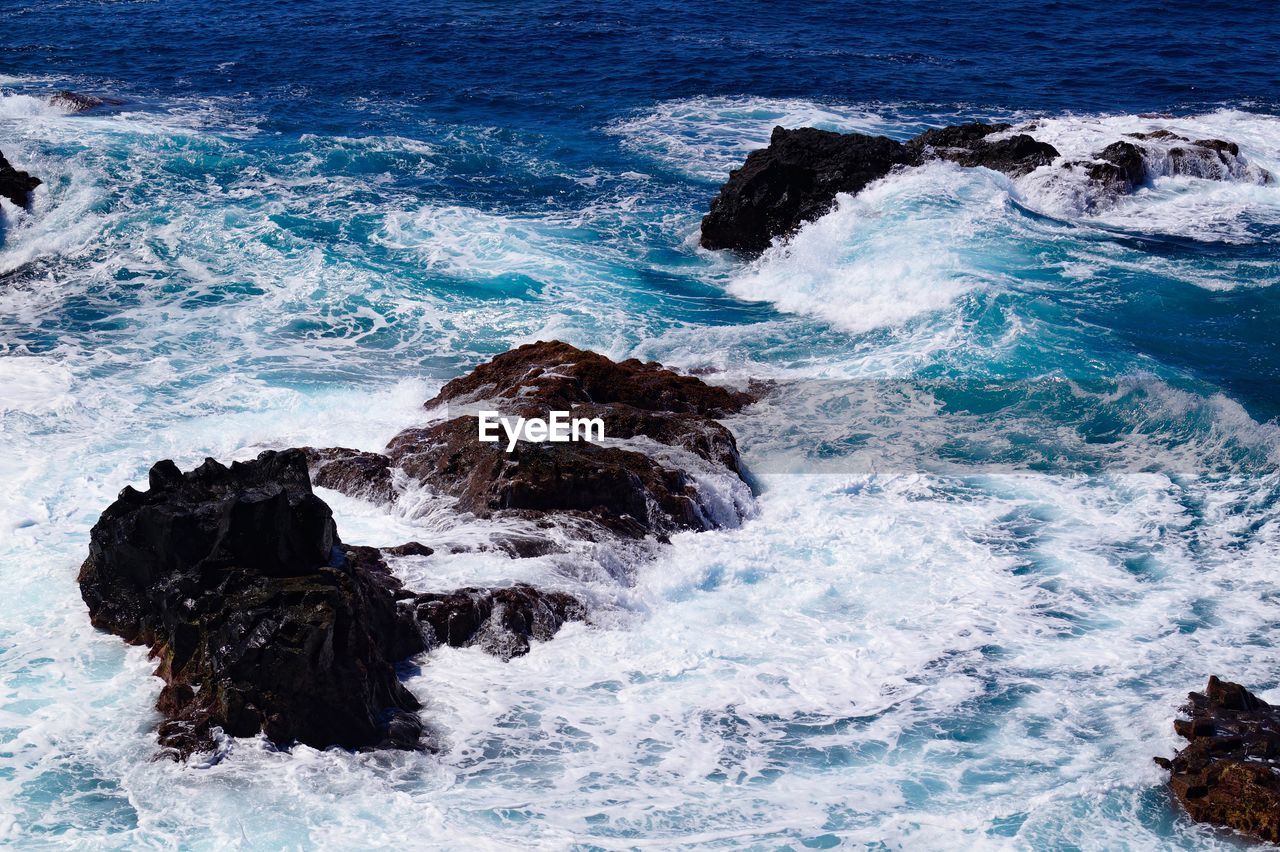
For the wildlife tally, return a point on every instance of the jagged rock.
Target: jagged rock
(265, 622)
(796, 179)
(409, 548)
(16, 185)
(499, 621)
(625, 490)
(262, 621)
(354, 473)
(1210, 159)
(555, 375)
(793, 181)
(1227, 774)
(79, 102)
(1160, 134)
(1120, 168)
(968, 145)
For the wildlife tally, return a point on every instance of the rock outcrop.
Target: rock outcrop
(633, 491)
(795, 180)
(1227, 774)
(264, 621)
(16, 185)
(971, 145)
(1118, 168)
(236, 580)
(351, 472)
(797, 177)
(499, 621)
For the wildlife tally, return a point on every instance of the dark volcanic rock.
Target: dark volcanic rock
(554, 375)
(967, 144)
(793, 181)
(352, 472)
(235, 578)
(625, 490)
(409, 548)
(1120, 169)
(265, 622)
(16, 185)
(500, 621)
(1158, 134)
(1227, 774)
(796, 179)
(1211, 159)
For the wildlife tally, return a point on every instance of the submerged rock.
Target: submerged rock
(501, 622)
(797, 177)
(79, 102)
(262, 621)
(1227, 774)
(16, 185)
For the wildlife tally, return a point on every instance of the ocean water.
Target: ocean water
(1018, 478)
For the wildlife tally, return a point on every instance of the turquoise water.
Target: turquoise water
(1018, 474)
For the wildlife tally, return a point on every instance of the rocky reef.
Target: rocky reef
(264, 621)
(797, 177)
(16, 185)
(1227, 773)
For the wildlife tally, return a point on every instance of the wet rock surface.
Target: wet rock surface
(499, 621)
(797, 177)
(1119, 168)
(80, 102)
(795, 180)
(262, 621)
(351, 472)
(16, 185)
(555, 375)
(624, 490)
(1227, 773)
(972, 145)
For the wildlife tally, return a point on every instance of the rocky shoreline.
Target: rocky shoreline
(265, 622)
(797, 177)
(1227, 773)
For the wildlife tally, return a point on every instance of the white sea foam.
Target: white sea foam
(883, 257)
(878, 656)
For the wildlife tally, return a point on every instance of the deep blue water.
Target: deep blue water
(1040, 440)
(566, 65)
